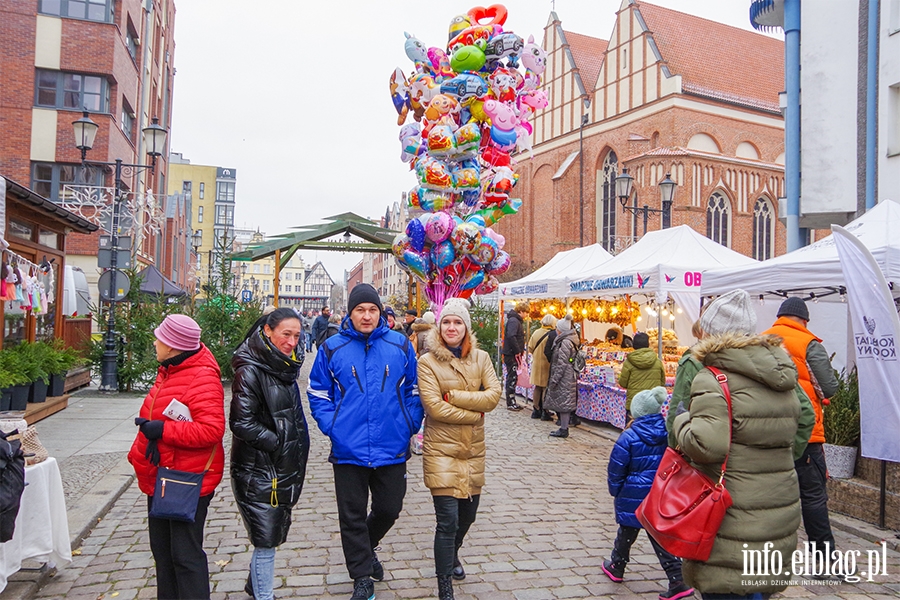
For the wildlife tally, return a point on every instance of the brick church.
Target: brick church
(666, 93)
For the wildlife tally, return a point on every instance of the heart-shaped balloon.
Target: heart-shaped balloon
(416, 233)
(443, 254)
(501, 241)
(471, 280)
(439, 227)
(418, 263)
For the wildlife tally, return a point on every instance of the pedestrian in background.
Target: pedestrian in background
(319, 326)
(757, 439)
(816, 377)
(421, 328)
(513, 348)
(540, 340)
(363, 393)
(630, 474)
(270, 443)
(642, 370)
(457, 385)
(306, 320)
(688, 367)
(562, 390)
(392, 322)
(408, 319)
(334, 325)
(188, 373)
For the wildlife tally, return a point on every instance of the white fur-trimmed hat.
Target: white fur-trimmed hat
(458, 307)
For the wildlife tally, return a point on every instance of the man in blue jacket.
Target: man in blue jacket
(363, 393)
(319, 326)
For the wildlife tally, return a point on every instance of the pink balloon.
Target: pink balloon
(439, 227)
(498, 238)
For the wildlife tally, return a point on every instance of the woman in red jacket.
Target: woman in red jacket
(188, 373)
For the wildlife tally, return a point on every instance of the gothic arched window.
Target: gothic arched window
(718, 210)
(608, 201)
(763, 229)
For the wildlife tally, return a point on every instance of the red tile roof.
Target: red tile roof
(588, 53)
(717, 60)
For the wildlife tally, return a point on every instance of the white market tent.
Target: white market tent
(816, 269)
(665, 263)
(814, 273)
(552, 280)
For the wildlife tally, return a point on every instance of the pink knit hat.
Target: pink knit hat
(179, 332)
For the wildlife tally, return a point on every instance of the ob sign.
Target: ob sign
(693, 279)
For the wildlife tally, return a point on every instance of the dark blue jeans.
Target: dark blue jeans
(454, 517)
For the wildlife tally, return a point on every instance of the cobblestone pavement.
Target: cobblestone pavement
(543, 529)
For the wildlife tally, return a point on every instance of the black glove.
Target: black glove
(140, 421)
(152, 430)
(152, 453)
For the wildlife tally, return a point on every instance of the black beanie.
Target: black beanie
(363, 292)
(641, 340)
(794, 307)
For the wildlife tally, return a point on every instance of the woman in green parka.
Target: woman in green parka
(760, 474)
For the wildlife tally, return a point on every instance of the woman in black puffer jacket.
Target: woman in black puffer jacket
(271, 440)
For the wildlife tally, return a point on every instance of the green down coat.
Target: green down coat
(760, 474)
(642, 370)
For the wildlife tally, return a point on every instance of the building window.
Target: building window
(186, 188)
(266, 269)
(200, 213)
(265, 285)
(89, 10)
(256, 268)
(131, 44)
(128, 122)
(202, 189)
(224, 215)
(288, 276)
(608, 207)
(298, 288)
(224, 191)
(57, 89)
(717, 217)
(763, 229)
(50, 179)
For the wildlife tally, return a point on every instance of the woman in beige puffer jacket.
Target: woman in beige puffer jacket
(457, 385)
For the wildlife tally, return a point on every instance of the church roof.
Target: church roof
(588, 53)
(716, 60)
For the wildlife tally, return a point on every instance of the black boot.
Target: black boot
(445, 587)
(560, 433)
(615, 570)
(574, 420)
(536, 413)
(546, 416)
(248, 587)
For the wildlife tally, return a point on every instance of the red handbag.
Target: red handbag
(684, 508)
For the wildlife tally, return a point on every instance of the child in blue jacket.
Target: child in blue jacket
(632, 467)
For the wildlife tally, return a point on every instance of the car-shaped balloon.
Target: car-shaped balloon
(463, 86)
(503, 45)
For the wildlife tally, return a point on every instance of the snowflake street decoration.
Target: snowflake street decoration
(95, 204)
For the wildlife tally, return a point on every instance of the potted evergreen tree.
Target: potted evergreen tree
(34, 363)
(841, 422)
(59, 360)
(14, 380)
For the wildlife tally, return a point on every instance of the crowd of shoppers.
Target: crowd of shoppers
(374, 380)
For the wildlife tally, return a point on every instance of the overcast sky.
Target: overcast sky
(294, 95)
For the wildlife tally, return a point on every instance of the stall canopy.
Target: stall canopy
(154, 282)
(667, 261)
(815, 270)
(551, 280)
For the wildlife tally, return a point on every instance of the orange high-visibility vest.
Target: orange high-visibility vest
(796, 340)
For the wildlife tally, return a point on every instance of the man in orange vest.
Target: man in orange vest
(818, 381)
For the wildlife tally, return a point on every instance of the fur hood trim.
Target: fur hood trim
(436, 346)
(718, 343)
(417, 327)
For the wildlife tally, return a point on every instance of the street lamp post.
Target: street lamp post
(85, 131)
(584, 121)
(624, 187)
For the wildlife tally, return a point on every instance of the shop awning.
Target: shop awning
(550, 281)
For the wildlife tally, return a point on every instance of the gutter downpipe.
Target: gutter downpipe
(871, 102)
(792, 122)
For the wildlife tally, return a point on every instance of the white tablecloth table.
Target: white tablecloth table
(42, 530)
